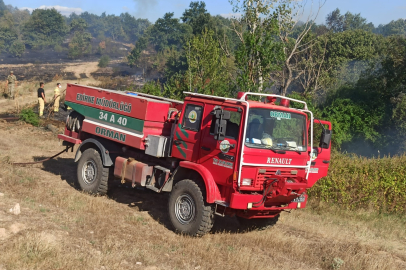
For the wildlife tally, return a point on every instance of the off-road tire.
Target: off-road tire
(91, 160)
(257, 224)
(185, 193)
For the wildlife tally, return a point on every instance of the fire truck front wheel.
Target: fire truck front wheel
(92, 175)
(188, 211)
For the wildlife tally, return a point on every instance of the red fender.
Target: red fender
(212, 191)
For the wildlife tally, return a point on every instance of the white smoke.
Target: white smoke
(143, 7)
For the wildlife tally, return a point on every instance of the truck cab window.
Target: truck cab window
(233, 125)
(192, 117)
(276, 130)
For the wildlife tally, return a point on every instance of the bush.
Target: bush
(152, 88)
(58, 48)
(28, 116)
(17, 48)
(104, 61)
(364, 183)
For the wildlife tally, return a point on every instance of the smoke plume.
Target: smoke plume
(144, 7)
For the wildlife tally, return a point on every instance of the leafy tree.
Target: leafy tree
(207, 65)
(399, 121)
(352, 120)
(133, 28)
(197, 17)
(45, 27)
(96, 24)
(104, 61)
(17, 48)
(20, 17)
(168, 32)
(258, 53)
(397, 27)
(135, 53)
(349, 21)
(8, 32)
(113, 27)
(176, 62)
(78, 25)
(223, 28)
(152, 88)
(372, 109)
(80, 43)
(3, 8)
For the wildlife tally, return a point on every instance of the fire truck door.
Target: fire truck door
(187, 135)
(219, 156)
(320, 160)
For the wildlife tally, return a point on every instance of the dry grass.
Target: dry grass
(82, 67)
(62, 228)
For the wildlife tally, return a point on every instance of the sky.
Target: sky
(375, 11)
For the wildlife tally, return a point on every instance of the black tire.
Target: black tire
(188, 211)
(92, 175)
(258, 224)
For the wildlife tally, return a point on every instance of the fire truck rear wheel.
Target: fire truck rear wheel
(92, 175)
(188, 211)
(258, 224)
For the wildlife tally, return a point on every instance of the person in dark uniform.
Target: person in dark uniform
(41, 99)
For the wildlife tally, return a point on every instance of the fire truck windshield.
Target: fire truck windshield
(274, 129)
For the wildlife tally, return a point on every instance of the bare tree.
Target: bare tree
(289, 14)
(312, 65)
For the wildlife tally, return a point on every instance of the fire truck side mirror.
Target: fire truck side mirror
(221, 124)
(220, 129)
(226, 115)
(325, 139)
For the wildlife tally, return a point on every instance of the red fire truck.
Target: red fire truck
(214, 155)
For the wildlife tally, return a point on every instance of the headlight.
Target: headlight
(246, 182)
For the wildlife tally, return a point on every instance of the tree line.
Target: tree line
(47, 28)
(351, 72)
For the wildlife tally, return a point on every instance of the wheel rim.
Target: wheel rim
(89, 172)
(185, 209)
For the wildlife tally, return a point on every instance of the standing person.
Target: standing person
(57, 97)
(41, 99)
(11, 82)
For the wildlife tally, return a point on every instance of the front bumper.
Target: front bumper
(248, 201)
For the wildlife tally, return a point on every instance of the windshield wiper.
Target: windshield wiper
(297, 151)
(277, 151)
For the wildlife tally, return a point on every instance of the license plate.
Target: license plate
(313, 170)
(300, 199)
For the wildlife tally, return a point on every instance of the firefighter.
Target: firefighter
(57, 97)
(41, 99)
(11, 82)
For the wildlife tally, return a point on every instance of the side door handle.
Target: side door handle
(206, 148)
(177, 142)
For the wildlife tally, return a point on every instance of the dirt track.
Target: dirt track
(61, 228)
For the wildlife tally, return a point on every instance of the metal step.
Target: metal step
(153, 188)
(222, 203)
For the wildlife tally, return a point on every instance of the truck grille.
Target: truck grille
(265, 174)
